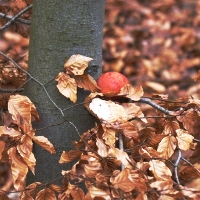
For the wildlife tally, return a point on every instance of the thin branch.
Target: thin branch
(166, 100)
(176, 166)
(189, 163)
(16, 17)
(196, 140)
(21, 20)
(23, 70)
(121, 147)
(154, 105)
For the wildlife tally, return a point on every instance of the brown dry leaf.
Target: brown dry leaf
(88, 197)
(164, 186)
(160, 170)
(101, 179)
(46, 194)
(109, 136)
(123, 181)
(78, 194)
(21, 109)
(144, 166)
(128, 129)
(18, 168)
(67, 86)
(67, 193)
(166, 197)
(108, 111)
(189, 172)
(92, 168)
(2, 145)
(139, 181)
(184, 139)
(170, 127)
(191, 122)
(26, 197)
(134, 93)
(77, 64)
(148, 135)
(149, 152)
(11, 132)
(45, 143)
(156, 86)
(25, 148)
(110, 164)
(55, 188)
(142, 196)
(194, 158)
(121, 156)
(86, 82)
(96, 192)
(190, 192)
(144, 153)
(30, 192)
(102, 148)
(197, 76)
(31, 162)
(69, 156)
(3, 195)
(133, 111)
(167, 147)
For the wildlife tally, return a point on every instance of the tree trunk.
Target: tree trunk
(60, 29)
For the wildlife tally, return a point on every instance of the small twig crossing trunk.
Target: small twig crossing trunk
(60, 29)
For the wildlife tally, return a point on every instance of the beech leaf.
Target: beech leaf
(170, 127)
(189, 172)
(109, 136)
(2, 145)
(184, 139)
(123, 181)
(69, 156)
(160, 170)
(96, 192)
(67, 86)
(18, 168)
(164, 186)
(46, 194)
(3, 195)
(11, 132)
(45, 143)
(86, 82)
(167, 146)
(120, 155)
(134, 93)
(25, 148)
(30, 161)
(21, 109)
(78, 194)
(133, 111)
(102, 149)
(107, 110)
(77, 64)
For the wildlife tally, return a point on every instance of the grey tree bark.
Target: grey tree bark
(59, 29)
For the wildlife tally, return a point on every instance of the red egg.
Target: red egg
(111, 83)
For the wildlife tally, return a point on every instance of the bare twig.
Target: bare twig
(176, 166)
(21, 20)
(16, 17)
(121, 147)
(189, 163)
(42, 85)
(154, 105)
